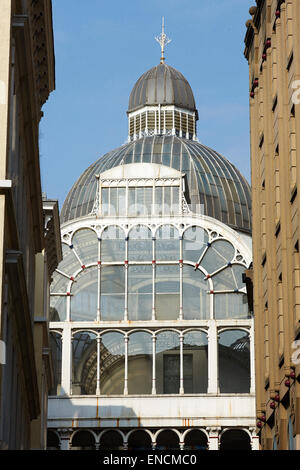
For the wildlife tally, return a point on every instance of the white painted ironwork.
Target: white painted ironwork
(163, 41)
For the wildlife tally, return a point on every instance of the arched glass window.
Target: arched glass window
(85, 295)
(85, 243)
(140, 363)
(56, 352)
(219, 254)
(167, 290)
(167, 363)
(113, 244)
(234, 305)
(167, 245)
(140, 244)
(112, 364)
(194, 243)
(140, 286)
(112, 293)
(234, 361)
(196, 299)
(84, 363)
(195, 362)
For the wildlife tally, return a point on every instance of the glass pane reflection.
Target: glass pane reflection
(84, 364)
(195, 377)
(167, 363)
(234, 362)
(140, 363)
(112, 364)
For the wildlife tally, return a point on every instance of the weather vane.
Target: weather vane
(163, 40)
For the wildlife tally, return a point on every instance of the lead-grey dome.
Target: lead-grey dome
(212, 180)
(162, 85)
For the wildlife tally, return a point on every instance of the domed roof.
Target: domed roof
(162, 85)
(212, 180)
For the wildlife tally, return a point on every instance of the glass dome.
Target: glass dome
(212, 182)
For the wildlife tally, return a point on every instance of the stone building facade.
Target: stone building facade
(30, 247)
(273, 52)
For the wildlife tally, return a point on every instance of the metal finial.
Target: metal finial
(163, 40)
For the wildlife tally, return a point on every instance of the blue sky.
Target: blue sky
(102, 48)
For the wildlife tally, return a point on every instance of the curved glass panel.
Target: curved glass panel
(140, 244)
(234, 362)
(59, 284)
(85, 244)
(167, 245)
(84, 298)
(69, 264)
(238, 271)
(196, 299)
(112, 293)
(56, 352)
(234, 305)
(194, 243)
(112, 364)
(140, 286)
(140, 363)
(167, 292)
(230, 278)
(195, 362)
(219, 254)
(167, 363)
(58, 308)
(113, 244)
(84, 370)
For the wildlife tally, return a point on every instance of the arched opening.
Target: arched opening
(140, 363)
(83, 440)
(112, 368)
(167, 440)
(234, 362)
(195, 362)
(52, 441)
(139, 440)
(195, 440)
(235, 439)
(84, 363)
(167, 363)
(111, 440)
